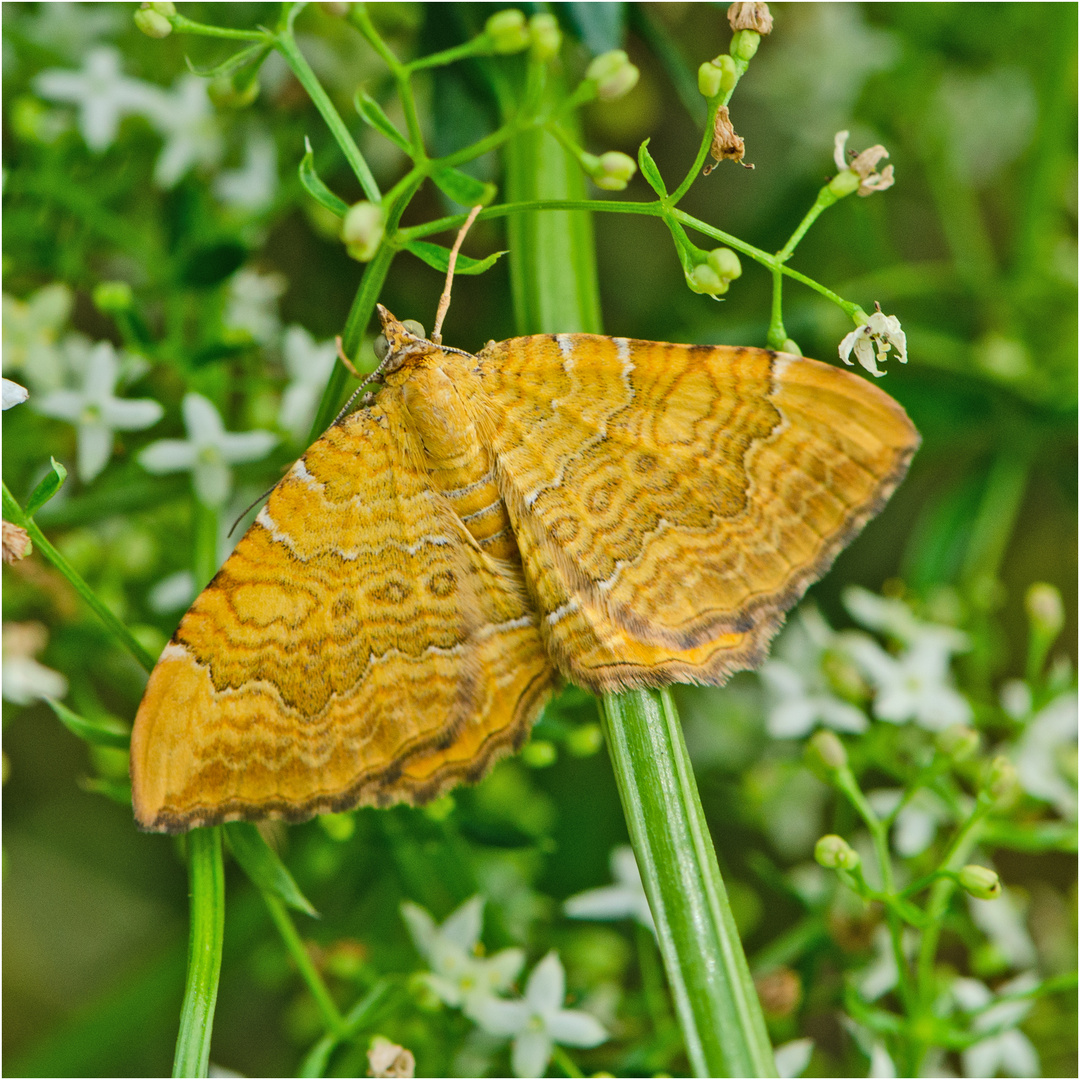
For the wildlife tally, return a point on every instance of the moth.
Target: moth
(612, 512)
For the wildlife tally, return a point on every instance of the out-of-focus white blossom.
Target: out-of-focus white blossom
(185, 119)
(1045, 755)
(1002, 921)
(172, 593)
(67, 29)
(1005, 1050)
(24, 679)
(538, 1021)
(872, 341)
(625, 899)
(254, 184)
(97, 412)
(207, 452)
(309, 363)
(793, 1057)
(31, 331)
(917, 822)
(251, 304)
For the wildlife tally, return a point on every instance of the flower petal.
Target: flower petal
(202, 420)
(462, 927)
(572, 1027)
(546, 987)
(246, 445)
(213, 482)
(125, 415)
(14, 394)
(168, 455)
(531, 1053)
(499, 1017)
(95, 442)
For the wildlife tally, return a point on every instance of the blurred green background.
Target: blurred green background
(974, 249)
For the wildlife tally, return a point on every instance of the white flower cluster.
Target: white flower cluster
(464, 980)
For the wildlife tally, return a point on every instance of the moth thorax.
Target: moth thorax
(440, 418)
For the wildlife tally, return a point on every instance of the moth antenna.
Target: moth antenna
(247, 510)
(373, 377)
(444, 300)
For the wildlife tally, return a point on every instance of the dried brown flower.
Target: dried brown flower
(749, 16)
(726, 144)
(16, 542)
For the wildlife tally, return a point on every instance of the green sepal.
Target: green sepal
(438, 257)
(97, 732)
(309, 178)
(371, 112)
(259, 861)
(464, 189)
(49, 486)
(650, 171)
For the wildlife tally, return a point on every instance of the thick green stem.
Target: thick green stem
(710, 980)
(206, 874)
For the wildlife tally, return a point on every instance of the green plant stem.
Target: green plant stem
(188, 26)
(331, 1016)
(318, 1057)
(777, 335)
(715, 1000)
(286, 45)
(206, 874)
(13, 512)
(565, 1062)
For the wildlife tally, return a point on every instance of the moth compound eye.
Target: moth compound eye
(380, 347)
(415, 328)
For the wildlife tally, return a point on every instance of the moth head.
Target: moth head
(399, 341)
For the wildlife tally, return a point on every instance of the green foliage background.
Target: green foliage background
(974, 249)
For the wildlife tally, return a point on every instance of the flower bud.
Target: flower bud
(790, 345)
(980, 882)
(1002, 782)
(545, 36)
(704, 279)
(826, 752)
(539, 754)
(339, 827)
(507, 31)
(229, 93)
(958, 742)
(584, 741)
(1045, 609)
(610, 171)
(153, 19)
(745, 44)
(725, 262)
(750, 16)
(362, 230)
(844, 183)
(835, 853)
(710, 79)
(613, 75)
(112, 296)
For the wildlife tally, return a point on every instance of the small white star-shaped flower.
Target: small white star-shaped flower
(1043, 750)
(251, 305)
(864, 165)
(309, 363)
(207, 452)
(625, 899)
(185, 119)
(24, 679)
(254, 184)
(96, 410)
(31, 329)
(538, 1021)
(872, 341)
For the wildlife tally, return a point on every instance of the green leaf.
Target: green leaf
(438, 257)
(99, 732)
(464, 189)
(48, 487)
(650, 171)
(259, 861)
(118, 791)
(309, 178)
(372, 113)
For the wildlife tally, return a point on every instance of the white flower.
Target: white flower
(1002, 921)
(186, 120)
(103, 94)
(1041, 751)
(917, 822)
(24, 679)
(207, 452)
(97, 412)
(254, 184)
(252, 304)
(172, 593)
(799, 692)
(31, 329)
(881, 974)
(1005, 1049)
(538, 1021)
(458, 976)
(793, 1057)
(67, 28)
(14, 394)
(873, 340)
(864, 166)
(625, 899)
(309, 363)
(881, 1063)
(893, 618)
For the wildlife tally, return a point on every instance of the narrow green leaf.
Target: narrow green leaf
(49, 486)
(650, 171)
(116, 790)
(98, 732)
(309, 178)
(438, 257)
(235, 62)
(463, 188)
(259, 861)
(372, 113)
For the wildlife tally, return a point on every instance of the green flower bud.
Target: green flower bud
(112, 296)
(610, 171)
(704, 279)
(835, 853)
(792, 346)
(539, 754)
(958, 742)
(745, 44)
(825, 752)
(1045, 609)
(584, 741)
(729, 72)
(725, 262)
(545, 35)
(153, 21)
(362, 230)
(845, 182)
(227, 93)
(613, 75)
(980, 882)
(1002, 782)
(507, 31)
(339, 827)
(710, 79)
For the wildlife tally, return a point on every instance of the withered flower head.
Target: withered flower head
(864, 165)
(16, 542)
(748, 16)
(726, 144)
